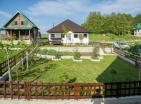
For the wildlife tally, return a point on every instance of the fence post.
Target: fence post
(25, 90)
(118, 89)
(105, 90)
(76, 93)
(18, 89)
(4, 90)
(11, 91)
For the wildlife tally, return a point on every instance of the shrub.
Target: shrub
(77, 55)
(55, 53)
(95, 52)
(43, 52)
(51, 52)
(58, 55)
(136, 49)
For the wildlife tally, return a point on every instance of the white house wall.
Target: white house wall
(73, 40)
(137, 32)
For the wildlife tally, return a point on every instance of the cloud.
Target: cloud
(48, 11)
(5, 14)
(69, 7)
(58, 7)
(119, 6)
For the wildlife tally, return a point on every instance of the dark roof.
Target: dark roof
(19, 13)
(70, 25)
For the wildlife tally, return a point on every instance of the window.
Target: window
(62, 35)
(16, 23)
(85, 35)
(75, 35)
(22, 22)
(52, 35)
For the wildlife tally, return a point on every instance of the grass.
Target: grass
(44, 35)
(112, 37)
(3, 54)
(111, 68)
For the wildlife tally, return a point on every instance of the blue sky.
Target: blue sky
(45, 13)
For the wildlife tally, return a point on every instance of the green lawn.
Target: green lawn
(3, 54)
(111, 37)
(44, 35)
(111, 68)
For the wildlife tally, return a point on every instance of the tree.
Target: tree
(65, 31)
(113, 23)
(137, 19)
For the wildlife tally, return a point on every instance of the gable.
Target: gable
(19, 21)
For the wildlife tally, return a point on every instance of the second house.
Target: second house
(68, 32)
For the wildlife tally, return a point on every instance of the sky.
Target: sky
(46, 13)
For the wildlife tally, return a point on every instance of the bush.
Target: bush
(77, 55)
(95, 52)
(58, 55)
(55, 53)
(136, 49)
(51, 52)
(43, 52)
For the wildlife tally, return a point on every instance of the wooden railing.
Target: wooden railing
(14, 59)
(42, 90)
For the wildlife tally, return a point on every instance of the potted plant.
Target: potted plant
(77, 56)
(95, 55)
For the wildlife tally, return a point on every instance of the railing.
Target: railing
(42, 90)
(127, 54)
(14, 59)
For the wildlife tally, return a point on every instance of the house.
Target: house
(19, 27)
(137, 30)
(68, 32)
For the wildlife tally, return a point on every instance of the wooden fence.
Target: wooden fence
(42, 90)
(14, 59)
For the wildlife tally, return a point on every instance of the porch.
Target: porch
(56, 41)
(19, 34)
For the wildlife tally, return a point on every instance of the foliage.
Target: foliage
(136, 49)
(51, 52)
(58, 55)
(118, 24)
(95, 52)
(55, 53)
(137, 19)
(76, 54)
(65, 29)
(112, 37)
(3, 54)
(42, 51)
(80, 36)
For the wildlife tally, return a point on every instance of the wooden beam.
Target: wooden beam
(19, 35)
(29, 35)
